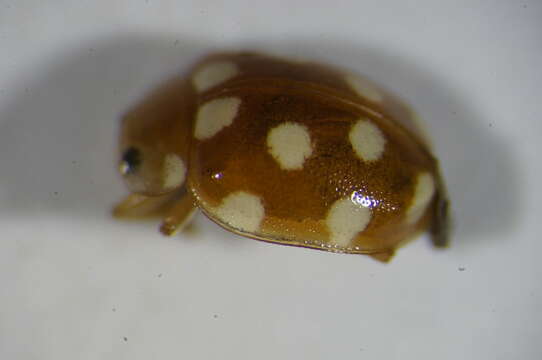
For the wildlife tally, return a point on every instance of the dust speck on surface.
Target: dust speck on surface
(461, 268)
(160, 275)
(125, 338)
(215, 316)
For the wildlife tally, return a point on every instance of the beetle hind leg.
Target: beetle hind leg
(383, 257)
(441, 220)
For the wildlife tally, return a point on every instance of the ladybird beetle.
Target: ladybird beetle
(288, 152)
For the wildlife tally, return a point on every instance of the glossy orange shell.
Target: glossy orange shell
(297, 202)
(289, 152)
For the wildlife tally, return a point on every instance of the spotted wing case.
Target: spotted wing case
(306, 155)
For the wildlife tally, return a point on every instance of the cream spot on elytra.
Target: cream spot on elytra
(212, 74)
(345, 219)
(423, 193)
(290, 145)
(241, 211)
(364, 88)
(174, 171)
(215, 115)
(367, 140)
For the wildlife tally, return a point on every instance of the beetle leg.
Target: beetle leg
(384, 257)
(179, 215)
(440, 226)
(137, 206)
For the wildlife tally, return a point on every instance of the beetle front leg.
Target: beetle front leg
(137, 206)
(179, 215)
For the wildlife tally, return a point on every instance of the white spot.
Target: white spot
(425, 189)
(213, 74)
(345, 220)
(124, 167)
(364, 88)
(215, 115)
(290, 145)
(241, 211)
(174, 171)
(367, 140)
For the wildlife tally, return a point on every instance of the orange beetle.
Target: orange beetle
(289, 152)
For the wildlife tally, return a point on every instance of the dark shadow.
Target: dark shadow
(58, 137)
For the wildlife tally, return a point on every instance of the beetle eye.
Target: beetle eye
(131, 160)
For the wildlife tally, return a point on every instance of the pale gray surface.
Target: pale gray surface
(78, 285)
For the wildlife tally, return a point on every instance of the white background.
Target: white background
(75, 284)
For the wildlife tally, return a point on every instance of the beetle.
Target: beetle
(288, 152)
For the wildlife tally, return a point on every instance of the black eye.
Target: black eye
(131, 160)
